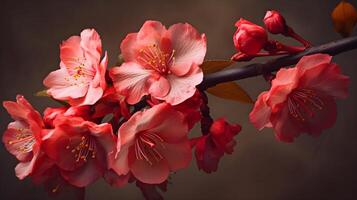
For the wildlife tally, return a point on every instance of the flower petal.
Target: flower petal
(130, 80)
(183, 87)
(189, 46)
(260, 115)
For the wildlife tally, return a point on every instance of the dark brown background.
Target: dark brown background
(261, 167)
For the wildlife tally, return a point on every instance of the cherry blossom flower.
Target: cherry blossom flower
(79, 148)
(275, 22)
(210, 148)
(23, 136)
(81, 77)
(160, 62)
(301, 99)
(149, 147)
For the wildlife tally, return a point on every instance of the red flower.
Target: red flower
(301, 99)
(23, 136)
(249, 38)
(160, 62)
(275, 22)
(79, 148)
(50, 114)
(210, 148)
(152, 143)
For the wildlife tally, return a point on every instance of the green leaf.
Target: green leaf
(230, 91)
(211, 66)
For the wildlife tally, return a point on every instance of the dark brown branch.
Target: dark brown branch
(237, 73)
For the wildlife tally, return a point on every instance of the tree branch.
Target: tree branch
(256, 69)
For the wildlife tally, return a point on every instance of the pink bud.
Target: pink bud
(249, 38)
(275, 22)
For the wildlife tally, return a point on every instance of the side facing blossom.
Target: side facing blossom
(81, 77)
(22, 137)
(160, 62)
(210, 148)
(152, 143)
(301, 99)
(79, 149)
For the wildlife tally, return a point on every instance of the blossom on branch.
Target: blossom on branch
(22, 137)
(81, 77)
(151, 144)
(301, 99)
(160, 62)
(210, 148)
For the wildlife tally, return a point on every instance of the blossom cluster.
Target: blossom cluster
(131, 123)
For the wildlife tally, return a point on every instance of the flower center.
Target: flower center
(78, 73)
(24, 140)
(152, 57)
(146, 147)
(84, 149)
(303, 103)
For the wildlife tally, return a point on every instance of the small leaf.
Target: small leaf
(211, 66)
(231, 91)
(42, 93)
(344, 18)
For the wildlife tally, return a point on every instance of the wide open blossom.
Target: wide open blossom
(23, 136)
(301, 99)
(210, 148)
(160, 62)
(79, 148)
(152, 143)
(81, 77)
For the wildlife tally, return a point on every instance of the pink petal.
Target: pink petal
(24, 169)
(91, 45)
(61, 87)
(189, 46)
(149, 34)
(152, 174)
(307, 62)
(183, 87)
(178, 155)
(70, 50)
(284, 124)
(13, 144)
(84, 175)
(260, 115)
(130, 80)
(159, 87)
(285, 81)
(328, 79)
(120, 163)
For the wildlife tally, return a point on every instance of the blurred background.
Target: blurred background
(261, 167)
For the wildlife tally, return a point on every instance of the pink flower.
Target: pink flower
(160, 62)
(152, 143)
(81, 77)
(301, 99)
(210, 148)
(79, 148)
(275, 22)
(23, 136)
(249, 38)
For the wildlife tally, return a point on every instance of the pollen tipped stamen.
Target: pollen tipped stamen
(146, 147)
(156, 59)
(84, 150)
(26, 140)
(303, 103)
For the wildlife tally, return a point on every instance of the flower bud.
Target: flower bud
(249, 38)
(275, 22)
